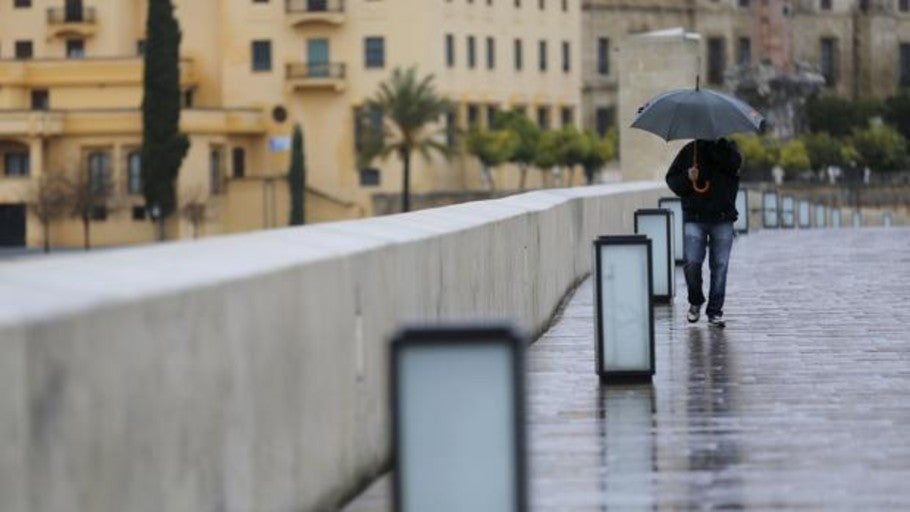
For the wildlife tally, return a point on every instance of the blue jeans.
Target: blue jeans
(718, 237)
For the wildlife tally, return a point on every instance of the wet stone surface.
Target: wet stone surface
(802, 402)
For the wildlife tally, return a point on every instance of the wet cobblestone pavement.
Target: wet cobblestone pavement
(802, 402)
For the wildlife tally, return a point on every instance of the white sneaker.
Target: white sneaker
(694, 313)
(717, 321)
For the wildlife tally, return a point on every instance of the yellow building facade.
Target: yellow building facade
(71, 89)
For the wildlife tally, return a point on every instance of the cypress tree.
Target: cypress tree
(163, 146)
(297, 177)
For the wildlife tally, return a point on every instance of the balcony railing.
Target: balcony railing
(314, 6)
(56, 15)
(304, 12)
(315, 70)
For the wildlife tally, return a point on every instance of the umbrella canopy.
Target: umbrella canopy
(696, 114)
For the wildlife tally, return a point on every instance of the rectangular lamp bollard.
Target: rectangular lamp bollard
(624, 309)
(821, 216)
(805, 221)
(741, 225)
(836, 218)
(787, 214)
(770, 210)
(458, 419)
(657, 225)
(887, 219)
(674, 204)
(857, 218)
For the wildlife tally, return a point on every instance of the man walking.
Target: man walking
(705, 175)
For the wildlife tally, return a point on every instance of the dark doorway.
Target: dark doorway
(12, 225)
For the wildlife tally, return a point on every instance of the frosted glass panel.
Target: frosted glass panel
(655, 228)
(887, 220)
(804, 220)
(456, 428)
(625, 307)
(675, 206)
(786, 212)
(821, 220)
(769, 210)
(742, 207)
(835, 218)
(857, 219)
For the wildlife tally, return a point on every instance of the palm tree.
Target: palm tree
(410, 107)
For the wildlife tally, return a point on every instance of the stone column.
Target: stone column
(649, 64)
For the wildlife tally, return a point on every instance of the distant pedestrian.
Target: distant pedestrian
(705, 175)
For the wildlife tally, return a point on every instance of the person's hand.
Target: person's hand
(693, 173)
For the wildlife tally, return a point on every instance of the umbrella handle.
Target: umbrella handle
(700, 190)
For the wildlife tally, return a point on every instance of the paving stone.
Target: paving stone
(802, 402)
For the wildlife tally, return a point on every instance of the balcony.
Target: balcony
(320, 75)
(71, 22)
(120, 71)
(30, 123)
(306, 12)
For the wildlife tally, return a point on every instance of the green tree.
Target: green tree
(597, 152)
(759, 154)
(570, 150)
(824, 150)
(547, 154)
(881, 147)
(897, 112)
(50, 201)
(412, 107)
(163, 146)
(839, 116)
(492, 148)
(297, 178)
(793, 156)
(528, 135)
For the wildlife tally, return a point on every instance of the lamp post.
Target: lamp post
(787, 219)
(805, 222)
(674, 204)
(821, 216)
(742, 208)
(657, 225)
(836, 218)
(458, 419)
(624, 309)
(770, 206)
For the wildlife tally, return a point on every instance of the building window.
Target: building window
(374, 52)
(491, 53)
(542, 55)
(517, 3)
(22, 4)
(262, 55)
(519, 58)
(829, 58)
(744, 51)
(188, 98)
(603, 55)
(543, 118)
(603, 120)
(139, 213)
(716, 60)
(542, 4)
(140, 47)
(567, 116)
(24, 49)
(40, 99)
(450, 50)
(826, 5)
(367, 127)
(369, 177)
(744, 4)
(472, 57)
(905, 64)
(451, 129)
(16, 163)
(473, 116)
(99, 171)
(134, 173)
(566, 57)
(216, 173)
(903, 5)
(565, 5)
(238, 162)
(75, 48)
(492, 110)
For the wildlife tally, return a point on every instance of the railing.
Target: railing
(315, 70)
(308, 6)
(70, 15)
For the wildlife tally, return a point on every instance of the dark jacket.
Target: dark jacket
(718, 163)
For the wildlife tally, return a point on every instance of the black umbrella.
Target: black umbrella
(696, 114)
